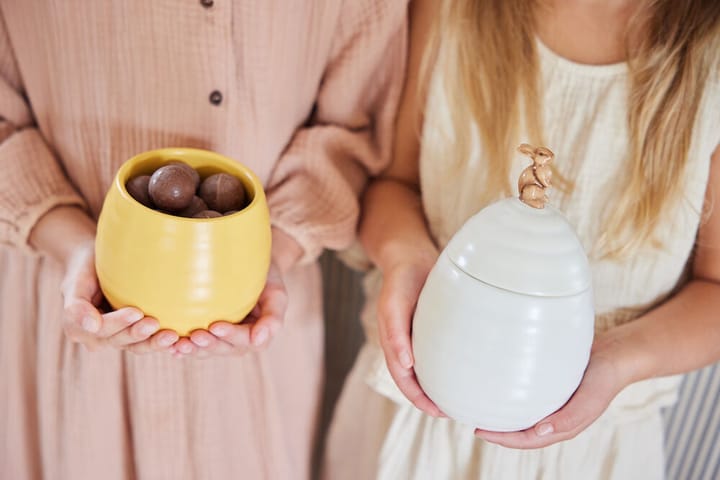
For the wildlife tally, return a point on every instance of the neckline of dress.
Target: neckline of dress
(609, 69)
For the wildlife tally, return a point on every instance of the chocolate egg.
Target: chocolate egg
(207, 214)
(172, 187)
(222, 192)
(197, 204)
(138, 189)
(191, 171)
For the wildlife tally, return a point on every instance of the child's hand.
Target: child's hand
(402, 283)
(126, 328)
(256, 331)
(602, 381)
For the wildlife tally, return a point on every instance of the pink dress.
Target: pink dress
(303, 92)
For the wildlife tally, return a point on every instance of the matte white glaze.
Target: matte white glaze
(491, 357)
(528, 250)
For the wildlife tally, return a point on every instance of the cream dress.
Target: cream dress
(377, 433)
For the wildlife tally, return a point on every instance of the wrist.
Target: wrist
(399, 252)
(286, 251)
(618, 346)
(60, 231)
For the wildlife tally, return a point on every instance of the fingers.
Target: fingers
(539, 436)
(579, 412)
(224, 338)
(271, 308)
(394, 326)
(395, 310)
(233, 341)
(118, 320)
(136, 332)
(394, 323)
(234, 335)
(273, 305)
(202, 341)
(129, 329)
(138, 337)
(409, 386)
(256, 331)
(546, 432)
(81, 320)
(80, 281)
(525, 439)
(162, 340)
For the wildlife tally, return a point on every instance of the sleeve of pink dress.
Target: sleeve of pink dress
(313, 191)
(31, 180)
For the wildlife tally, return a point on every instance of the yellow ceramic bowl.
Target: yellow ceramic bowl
(185, 272)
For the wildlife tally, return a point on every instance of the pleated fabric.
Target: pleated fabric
(307, 90)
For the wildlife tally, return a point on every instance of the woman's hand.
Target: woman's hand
(256, 331)
(126, 328)
(402, 283)
(263, 322)
(604, 378)
(67, 234)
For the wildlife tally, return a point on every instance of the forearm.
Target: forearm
(681, 335)
(285, 250)
(314, 187)
(60, 230)
(393, 225)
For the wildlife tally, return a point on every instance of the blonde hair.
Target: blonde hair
(486, 50)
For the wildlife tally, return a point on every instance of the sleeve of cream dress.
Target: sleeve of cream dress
(31, 180)
(313, 191)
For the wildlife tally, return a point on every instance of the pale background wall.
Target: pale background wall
(693, 425)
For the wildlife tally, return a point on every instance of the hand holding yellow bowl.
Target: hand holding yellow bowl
(185, 272)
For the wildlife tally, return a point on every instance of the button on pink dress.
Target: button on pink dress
(307, 93)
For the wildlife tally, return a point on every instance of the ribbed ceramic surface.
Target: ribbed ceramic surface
(186, 272)
(495, 359)
(515, 247)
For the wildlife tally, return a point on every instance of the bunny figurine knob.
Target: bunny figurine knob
(536, 177)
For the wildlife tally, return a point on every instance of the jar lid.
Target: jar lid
(516, 247)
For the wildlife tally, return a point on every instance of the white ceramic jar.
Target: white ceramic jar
(504, 324)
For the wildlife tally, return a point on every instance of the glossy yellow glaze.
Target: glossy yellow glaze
(185, 272)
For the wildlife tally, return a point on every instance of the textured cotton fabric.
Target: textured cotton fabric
(307, 94)
(584, 122)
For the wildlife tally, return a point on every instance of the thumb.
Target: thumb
(80, 278)
(81, 315)
(576, 415)
(81, 323)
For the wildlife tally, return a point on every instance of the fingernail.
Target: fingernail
(405, 359)
(167, 340)
(185, 348)
(89, 324)
(260, 336)
(134, 315)
(544, 429)
(148, 329)
(200, 340)
(219, 330)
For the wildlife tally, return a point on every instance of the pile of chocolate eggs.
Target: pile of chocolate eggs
(177, 189)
